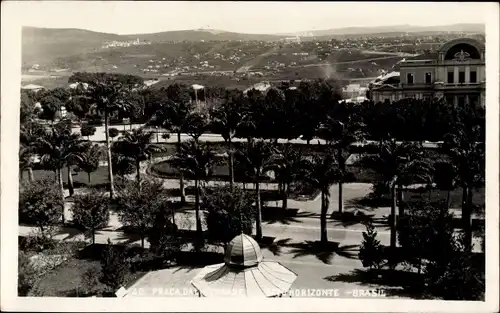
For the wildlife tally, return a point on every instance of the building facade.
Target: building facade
(456, 72)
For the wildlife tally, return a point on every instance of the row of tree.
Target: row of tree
(252, 115)
(143, 206)
(279, 113)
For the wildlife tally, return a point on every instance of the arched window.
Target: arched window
(462, 52)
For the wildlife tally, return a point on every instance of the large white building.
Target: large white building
(456, 72)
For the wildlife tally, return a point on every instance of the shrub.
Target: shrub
(370, 252)
(114, 268)
(87, 130)
(122, 164)
(380, 189)
(162, 236)
(229, 212)
(40, 203)
(425, 233)
(456, 276)
(444, 174)
(113, 132)
(91, 212)
(37, 241)
(95, 120)
(139, 203)
(90, 282)
(26, 274)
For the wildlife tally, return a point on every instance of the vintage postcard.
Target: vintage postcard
(249, 156)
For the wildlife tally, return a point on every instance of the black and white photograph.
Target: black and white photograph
(205, 155)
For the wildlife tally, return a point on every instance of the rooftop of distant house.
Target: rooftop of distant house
(32, 87)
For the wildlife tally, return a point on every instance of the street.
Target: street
(99, 136)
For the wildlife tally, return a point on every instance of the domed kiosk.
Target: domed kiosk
(244, 273)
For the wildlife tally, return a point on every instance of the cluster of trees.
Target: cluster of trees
(444, 265)
(311, 110)
(281, 112)
(87, 78)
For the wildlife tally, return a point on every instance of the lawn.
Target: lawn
(66, 279)
(220, 171)
(422, 194)
(265, 195)
(478, 198)
(80, 179)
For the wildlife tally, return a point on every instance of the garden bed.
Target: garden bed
(66, 280)
(98, 179)
(265, 194)
(163, 169)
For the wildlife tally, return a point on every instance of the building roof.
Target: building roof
(352, 87)
(243, 273)
(197, 87)
(32, 86)
(262, 86)
(424, 56)
(151, 82)
(74, 85)
(267, 279)
(243, 250)
(383, 78)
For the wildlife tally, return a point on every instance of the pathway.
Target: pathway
(99, 136)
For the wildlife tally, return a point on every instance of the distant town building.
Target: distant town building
(456, 72)
(32, 87)
(114, 43)
(151, 82)
(76, 84)
(354, 91)
(262, 87)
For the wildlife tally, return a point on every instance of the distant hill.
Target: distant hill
(204, 34)
(42, 44)
(464, 27)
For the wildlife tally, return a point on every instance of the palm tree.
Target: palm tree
(196, 161)
(286, 164)
(29, 133)
(445, 177)
(257, 157)
(90, 158)
(196, 124)
(320, 172)
(251, 114)
(340, 133)
(137, 145)
(107, 95)
(399, 165)
(465, 146)
(226, 118)
(271, 122)
(57, 148)
(173, 116)
(404, 163)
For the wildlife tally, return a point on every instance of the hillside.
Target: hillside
(40, 44)
(463, 28)
(44, 44)
(204, 34)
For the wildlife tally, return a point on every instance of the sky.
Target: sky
(134, 17)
